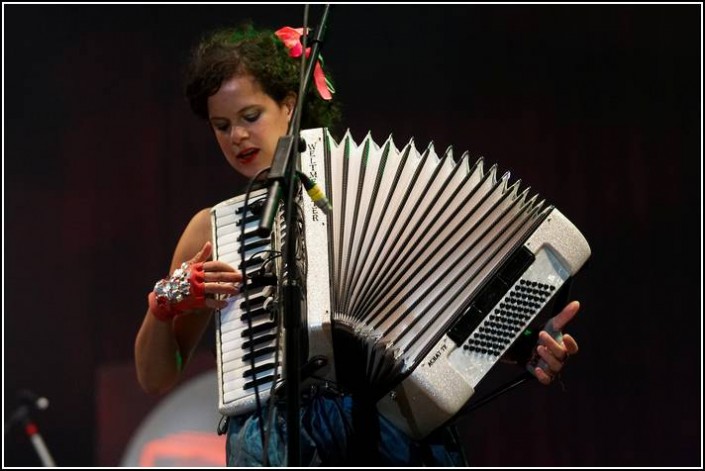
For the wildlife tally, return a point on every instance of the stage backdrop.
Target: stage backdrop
(596, 107)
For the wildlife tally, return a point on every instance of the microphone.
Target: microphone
(28, 401)
(315, 192)
(32, 399)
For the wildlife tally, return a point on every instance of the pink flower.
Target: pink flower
(291, 37)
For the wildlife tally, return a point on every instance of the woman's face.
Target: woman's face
(247, 123)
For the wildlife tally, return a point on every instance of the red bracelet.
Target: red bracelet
(184, 290)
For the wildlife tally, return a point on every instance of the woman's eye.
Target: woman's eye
(251, 118)
(221, 126)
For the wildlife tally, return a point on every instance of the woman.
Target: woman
(244, 83)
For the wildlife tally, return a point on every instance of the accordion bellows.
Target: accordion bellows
(427, 271)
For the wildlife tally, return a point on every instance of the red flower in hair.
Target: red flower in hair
(291, 37)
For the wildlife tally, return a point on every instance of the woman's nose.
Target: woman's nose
(238, 133)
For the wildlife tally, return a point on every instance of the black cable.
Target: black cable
(247, 301)
(277, 319)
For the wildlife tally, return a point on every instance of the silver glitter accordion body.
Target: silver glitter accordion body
(427, 271)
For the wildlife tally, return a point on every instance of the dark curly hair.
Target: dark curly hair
(243, 51)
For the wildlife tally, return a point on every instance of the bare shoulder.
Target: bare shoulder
(196, 234)
(201, 223)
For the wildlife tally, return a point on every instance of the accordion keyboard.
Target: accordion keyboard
(249, 353)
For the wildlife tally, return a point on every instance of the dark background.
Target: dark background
(596, 107)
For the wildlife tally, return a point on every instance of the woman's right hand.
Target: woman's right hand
(220, 279)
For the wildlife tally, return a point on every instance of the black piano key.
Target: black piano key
(259, 328)
(258, 353)
(256, 243)
(254, 301)
(254, 314)
(259, 369)
(249, 234)
(259, 382)
(258, 341)
(258, 281)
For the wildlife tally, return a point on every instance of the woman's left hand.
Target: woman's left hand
(555, 351)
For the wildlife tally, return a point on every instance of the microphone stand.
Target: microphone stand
(284, 166)
(22, 415)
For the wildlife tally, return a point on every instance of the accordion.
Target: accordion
(426, 272)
